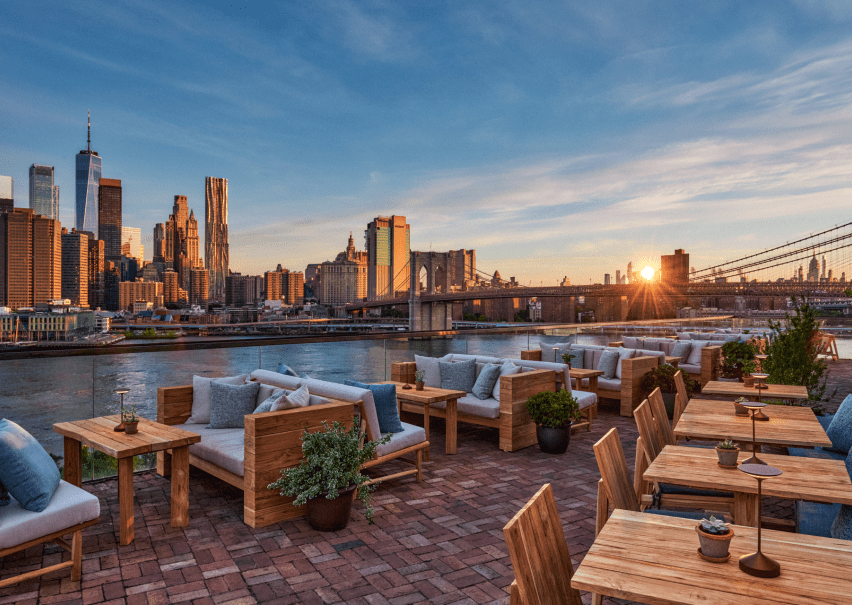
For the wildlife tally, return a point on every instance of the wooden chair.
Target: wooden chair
(661, 416)
(681, 399)
(539, 554)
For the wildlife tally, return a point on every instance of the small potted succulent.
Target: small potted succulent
(727, 451)
(553, 413)
(130, 419)
(329, 474)
(715, 536)
(419, 375)
(740, 410)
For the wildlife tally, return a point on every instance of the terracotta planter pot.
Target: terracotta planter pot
(728, 457)
(748, 381)
(331, 515)
(553, 439)
(740, 410)
(418, 386)
(714, 547)
(131, 428)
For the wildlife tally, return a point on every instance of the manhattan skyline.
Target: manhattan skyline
(554, 140)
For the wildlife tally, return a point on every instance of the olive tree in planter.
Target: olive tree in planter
(663, 377)
(553, 413)
(329, 474)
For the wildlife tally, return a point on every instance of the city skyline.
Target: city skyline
(553, 140)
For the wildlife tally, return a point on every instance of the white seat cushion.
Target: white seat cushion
(469, 404)
(222, 447)
(410, 435)
(609, 384)
(68, 507)
(689, 368)
(585, 399)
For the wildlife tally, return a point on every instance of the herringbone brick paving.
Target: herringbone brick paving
(440, 541)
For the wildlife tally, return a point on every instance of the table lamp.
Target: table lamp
(119, 428)
(757, 563)
(754, 407)
(760, 385)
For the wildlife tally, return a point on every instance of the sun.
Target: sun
(647, 272)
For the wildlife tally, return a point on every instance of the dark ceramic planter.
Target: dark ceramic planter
(331, 515)
(553, 439)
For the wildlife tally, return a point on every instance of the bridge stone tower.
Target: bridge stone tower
(444, 272)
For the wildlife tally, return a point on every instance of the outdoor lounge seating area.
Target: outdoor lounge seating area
(439, 539)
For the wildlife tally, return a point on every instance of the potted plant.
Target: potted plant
(715, 536)
(727, 451)
(329, 474)
(553, 413)
(130, 419)
(740, 410)
(419, 375)
(567, 357)
(738, 359)
(663, 377)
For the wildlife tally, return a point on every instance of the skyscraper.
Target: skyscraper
(674, 268)
(96, 273)
(75, 267)
(216, 234)
(7, 194)
(131, 243)
(88, 179)
(388, 242)
(109, 218)
(199, 287)
(44, 195)
(176, 242)
(30, 258)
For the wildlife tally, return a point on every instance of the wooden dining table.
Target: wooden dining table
(654, 559)
(788, 426)
(787, 392)
(812, 479)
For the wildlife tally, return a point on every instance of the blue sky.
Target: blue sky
(555, 138)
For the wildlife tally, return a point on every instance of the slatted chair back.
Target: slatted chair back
(682, 397)
(648, 431)
(661, 416)
(613, 467)
(539, 554)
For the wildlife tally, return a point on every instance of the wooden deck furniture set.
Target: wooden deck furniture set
(516, 428)
(98, 434)
(653, 559)
(785, 392)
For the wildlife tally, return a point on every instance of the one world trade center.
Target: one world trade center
(88, 176)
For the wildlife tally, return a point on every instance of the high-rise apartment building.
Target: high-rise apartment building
(7, 194)
(133, 291)
(112, 283)
(131, 243)
(75, 267)
(171, 288)
(159, 255)
(285, 285)
(176, 243)
(674, 268)
(109, 218)
(89, 169)
(243, 289)
(216, 234)
(30, 258)
(44, 195)
(388, 243)
(618, 277)
(96, 273)
(199, 287)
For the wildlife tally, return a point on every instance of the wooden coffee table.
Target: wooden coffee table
(97, 433)
(418, 402)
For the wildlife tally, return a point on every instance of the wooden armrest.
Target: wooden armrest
(616, 343)
(520, 387)
(174, 404)
(295, 419)
(531, 355)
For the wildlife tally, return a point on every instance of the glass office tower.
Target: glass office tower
(44, 195)
(88, 176)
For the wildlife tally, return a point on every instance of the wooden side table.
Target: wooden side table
(412, 400)
(97, 433)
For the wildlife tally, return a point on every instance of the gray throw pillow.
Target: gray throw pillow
(547, 352)
(608, 363)
(266, 404)
(201, 396)
(507, 369)
(681, 349)
(484, 384)
(429, 365)
(577, 359)
(300, 398)
(229, 404)
(458, 376)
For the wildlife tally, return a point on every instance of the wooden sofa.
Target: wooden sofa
(629, 394)
(272, 442)
(517, 430)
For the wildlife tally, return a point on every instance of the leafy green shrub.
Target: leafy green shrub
(553, 409)
(663, 376)
(332, 462)
(738, 359)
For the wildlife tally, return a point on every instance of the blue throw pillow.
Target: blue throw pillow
(230, 403)
(608, 364)
(840, 429)
(287, 370)
(458, 376)
(485, 382)
(841, 528)
(387, 410)
(5, 500)
(27, 470)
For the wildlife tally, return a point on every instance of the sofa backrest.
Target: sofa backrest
(547, 352)
(559, 368)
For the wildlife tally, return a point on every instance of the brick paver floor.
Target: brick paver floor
(439, 541)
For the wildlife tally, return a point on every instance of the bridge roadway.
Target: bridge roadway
(693, 289)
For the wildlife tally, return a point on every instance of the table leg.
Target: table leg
(180, 486)
(73, 463)
(593, 387)
(745, 509)
(426, 416)
(452, 423)
(125, 500)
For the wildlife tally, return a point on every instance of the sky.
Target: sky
(554, 138)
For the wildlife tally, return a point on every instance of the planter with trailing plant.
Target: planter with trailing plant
(715, 536)
(553, 413)
(727, 451)
(663, 377)
(419, 375)
(329, 474)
